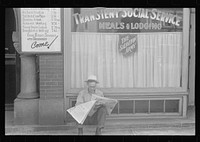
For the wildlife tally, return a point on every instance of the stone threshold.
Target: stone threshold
(72, 126)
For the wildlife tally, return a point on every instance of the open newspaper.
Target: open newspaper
(81, 111)
(109, 103)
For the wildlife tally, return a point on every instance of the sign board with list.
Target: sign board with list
(41, 30)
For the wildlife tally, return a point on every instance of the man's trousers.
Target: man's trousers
(98, 118)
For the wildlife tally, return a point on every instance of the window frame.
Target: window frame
(129, 91)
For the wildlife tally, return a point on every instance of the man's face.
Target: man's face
(92, 86)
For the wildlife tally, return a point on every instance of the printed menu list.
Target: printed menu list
(40, 29)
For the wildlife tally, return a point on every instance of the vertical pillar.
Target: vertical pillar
(26, 105)
(28, 78)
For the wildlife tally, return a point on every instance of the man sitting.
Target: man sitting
(99, 116)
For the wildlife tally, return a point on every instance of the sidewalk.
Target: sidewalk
(112, 127)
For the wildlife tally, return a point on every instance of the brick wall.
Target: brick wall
(51, 78)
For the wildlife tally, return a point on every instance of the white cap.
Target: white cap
(92, 78)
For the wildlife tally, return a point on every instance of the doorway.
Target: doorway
(12, 62)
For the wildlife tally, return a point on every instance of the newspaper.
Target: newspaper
(81, 111)
(109, 103)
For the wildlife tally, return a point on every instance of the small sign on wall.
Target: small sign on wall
(41, 30)
(127, 44)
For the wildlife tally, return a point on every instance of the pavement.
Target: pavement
(136, 126)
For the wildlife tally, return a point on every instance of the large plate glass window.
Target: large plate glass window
(127, 47)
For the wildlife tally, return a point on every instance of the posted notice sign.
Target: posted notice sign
(127, 43)
(40, 30)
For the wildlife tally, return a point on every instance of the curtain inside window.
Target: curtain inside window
(156, 63)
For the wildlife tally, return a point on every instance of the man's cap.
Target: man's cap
(92, 78)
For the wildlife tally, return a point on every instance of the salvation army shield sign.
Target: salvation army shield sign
(127, 44)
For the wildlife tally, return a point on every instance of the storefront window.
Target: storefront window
(127, 48)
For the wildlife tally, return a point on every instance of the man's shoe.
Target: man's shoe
(80, 131)
(98, 131)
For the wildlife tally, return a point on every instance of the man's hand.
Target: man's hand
(97, 105)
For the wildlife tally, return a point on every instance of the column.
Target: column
(26, 105)
(28, 78)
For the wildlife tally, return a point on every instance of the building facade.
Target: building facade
(143, 57)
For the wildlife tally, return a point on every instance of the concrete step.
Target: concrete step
(110, 125)
(35, 128)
